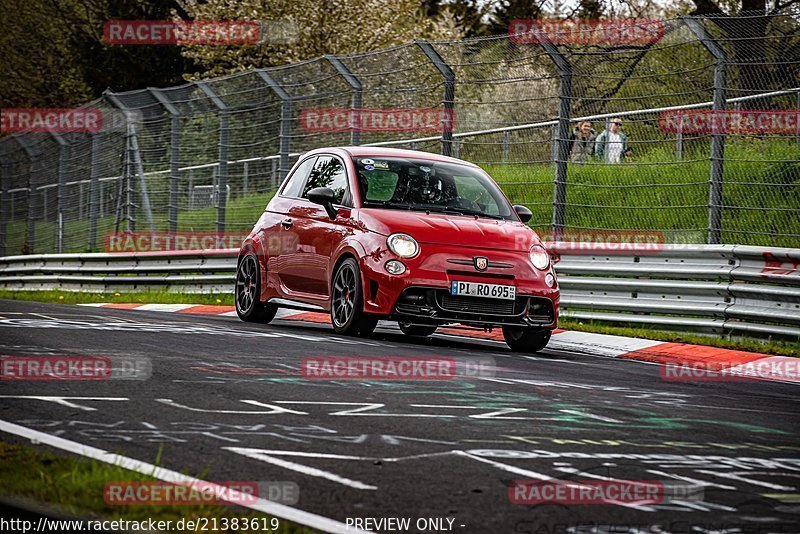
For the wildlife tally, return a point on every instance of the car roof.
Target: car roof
(384, 152)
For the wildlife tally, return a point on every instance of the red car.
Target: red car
(375, 233)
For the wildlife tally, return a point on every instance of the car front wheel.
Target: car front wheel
(347, 302)
(248, 291)
(522, 339)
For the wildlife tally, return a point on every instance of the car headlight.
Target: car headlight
(540, 258)
(403, 245)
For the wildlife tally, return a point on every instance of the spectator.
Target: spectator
(612, 145)
(581, 146)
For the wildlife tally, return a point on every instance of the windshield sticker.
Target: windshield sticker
(369, 167)
(367, 162)
(381, 164)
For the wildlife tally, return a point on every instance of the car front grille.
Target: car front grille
(484, 306)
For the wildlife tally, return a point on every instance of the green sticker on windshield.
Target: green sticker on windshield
(382, 165)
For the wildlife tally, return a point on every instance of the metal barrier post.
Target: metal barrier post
(561, 151)
(715, 198)
(222, 177)
(286, 123)
(355, 85)
(63, 158)
(174, 158)
(33, 157)
(4, 207)
(94, 177)
(448, 101)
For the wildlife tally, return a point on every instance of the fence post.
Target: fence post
(448, 102)
(4, 207)
(174, 158)
(505, 145)
(136, 156)
(562, 132)
(63, 158)
(33, 157)
(222, 176)
(94, 177)
(715, 198)
(355, 85)
(286, 123)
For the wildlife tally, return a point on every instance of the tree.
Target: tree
(758, 41)
(54, 54)
(340, 27)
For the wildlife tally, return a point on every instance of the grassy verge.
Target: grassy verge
(75, 487)
(152, 297)
(69, 297)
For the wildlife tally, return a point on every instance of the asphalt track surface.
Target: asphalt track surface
(226, 401)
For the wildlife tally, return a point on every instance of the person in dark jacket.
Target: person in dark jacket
(582, 142)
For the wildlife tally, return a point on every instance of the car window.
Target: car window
(379, 185)
(430, 186)
(468, 187)
(328, 172)
(298, 178)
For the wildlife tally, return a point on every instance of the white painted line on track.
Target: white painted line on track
(164, 307)
(261, 505)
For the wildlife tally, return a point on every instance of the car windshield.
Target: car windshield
(430, 186)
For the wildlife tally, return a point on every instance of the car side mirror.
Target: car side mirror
(325, 197)
(524, 213)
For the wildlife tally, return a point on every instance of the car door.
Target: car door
(318, 235)
(278, 240)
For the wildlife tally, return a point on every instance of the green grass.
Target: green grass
(70, 297)
(654, 192)
(651, 192)
(74, 486)
(145, 297)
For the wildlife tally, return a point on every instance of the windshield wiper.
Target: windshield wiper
(462, 211)
(387, 204)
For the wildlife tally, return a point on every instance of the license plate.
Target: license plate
(479, 289)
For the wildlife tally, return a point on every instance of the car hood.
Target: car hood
(445, 229)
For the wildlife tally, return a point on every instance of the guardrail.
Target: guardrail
(720, 289)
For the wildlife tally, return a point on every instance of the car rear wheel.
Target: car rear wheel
(248, 290)
(522, 339)
(416, 330)
(347, 302)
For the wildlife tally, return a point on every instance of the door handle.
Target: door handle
(286, 223)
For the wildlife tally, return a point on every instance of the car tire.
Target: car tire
(347, 302)
(247, 291)
(417, 330)
(522, 339)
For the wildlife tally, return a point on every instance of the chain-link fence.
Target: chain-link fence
(708, 149)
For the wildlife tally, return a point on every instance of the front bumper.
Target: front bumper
(422, 305)
(422, 294)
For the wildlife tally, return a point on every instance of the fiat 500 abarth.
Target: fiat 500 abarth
(425, 240)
